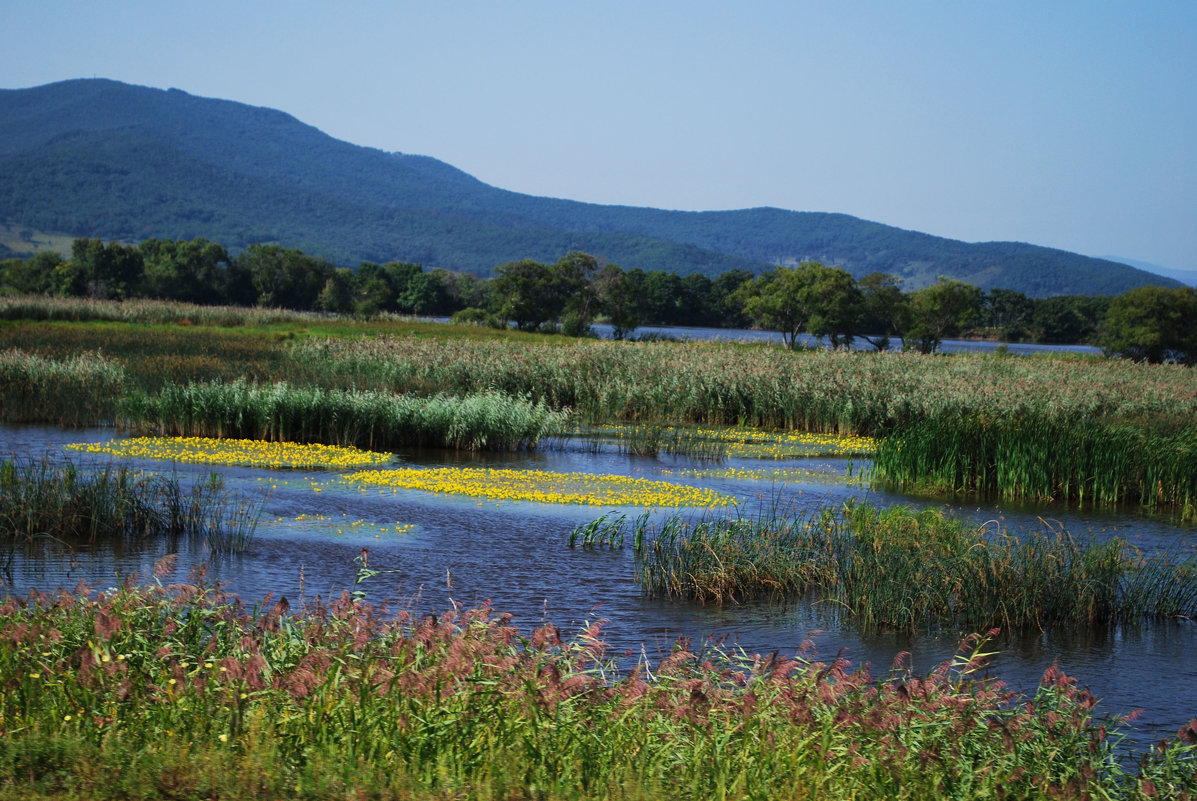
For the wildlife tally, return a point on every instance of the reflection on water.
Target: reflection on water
(515, 555)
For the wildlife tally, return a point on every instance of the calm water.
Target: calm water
(774, 337)
(604, 331)
(516, 555)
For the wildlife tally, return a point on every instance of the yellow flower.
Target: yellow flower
(244, 452)
(543, 486)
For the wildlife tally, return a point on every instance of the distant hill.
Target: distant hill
(1186, 277)
(106, 159)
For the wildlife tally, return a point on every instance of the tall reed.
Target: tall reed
(153, 692)
(909, 569)
(157, 312)
(44, 501)
(728, 384)
(78, 391)
(367, 419)
(1151, 463)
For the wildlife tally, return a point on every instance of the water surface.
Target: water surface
(516, 556)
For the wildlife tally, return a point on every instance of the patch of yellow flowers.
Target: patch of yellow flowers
(780, 476)
(755, 443)
(240, 452)
(399, 528)
(542, 486)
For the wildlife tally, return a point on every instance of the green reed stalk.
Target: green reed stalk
(1150, 463)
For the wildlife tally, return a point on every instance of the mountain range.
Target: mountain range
(104, 159)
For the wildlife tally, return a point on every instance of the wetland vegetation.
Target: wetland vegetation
(907, 569)
(145, 692)
(153, 689)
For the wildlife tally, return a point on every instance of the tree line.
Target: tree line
(570, 295)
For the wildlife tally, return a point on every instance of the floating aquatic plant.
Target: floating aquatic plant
(244, 452)
(542, 486)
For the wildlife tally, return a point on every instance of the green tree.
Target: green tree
(941, 310)
(193, 271)
(725, 299)
(525, 293)
(1058, 319)
(885, 310)
(425, 293)
(108, 271)
(619, 299)
(661, 296)
(337, 296)
(285, 278)
(837, 305)
(695, 304)
(808, 298)
(1152, 324)
(573, 279)
(1010, 313)
(31, 276)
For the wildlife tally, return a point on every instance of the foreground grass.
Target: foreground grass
(175, 692)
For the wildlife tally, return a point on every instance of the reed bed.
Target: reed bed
(725, 384)
(78, 391)
(364, 419)
(717, 384)
(44, 501)
(141, 312)
(658, 385)
(176, 692)
(154, 356)
(1151, 464)
(898, 568)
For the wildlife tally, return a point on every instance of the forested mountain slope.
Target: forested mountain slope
(105, 159)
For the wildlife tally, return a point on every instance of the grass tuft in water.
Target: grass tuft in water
(1150, 462)
(45, 501)
(898, 568)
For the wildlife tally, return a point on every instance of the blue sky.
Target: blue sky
(1066, 124)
